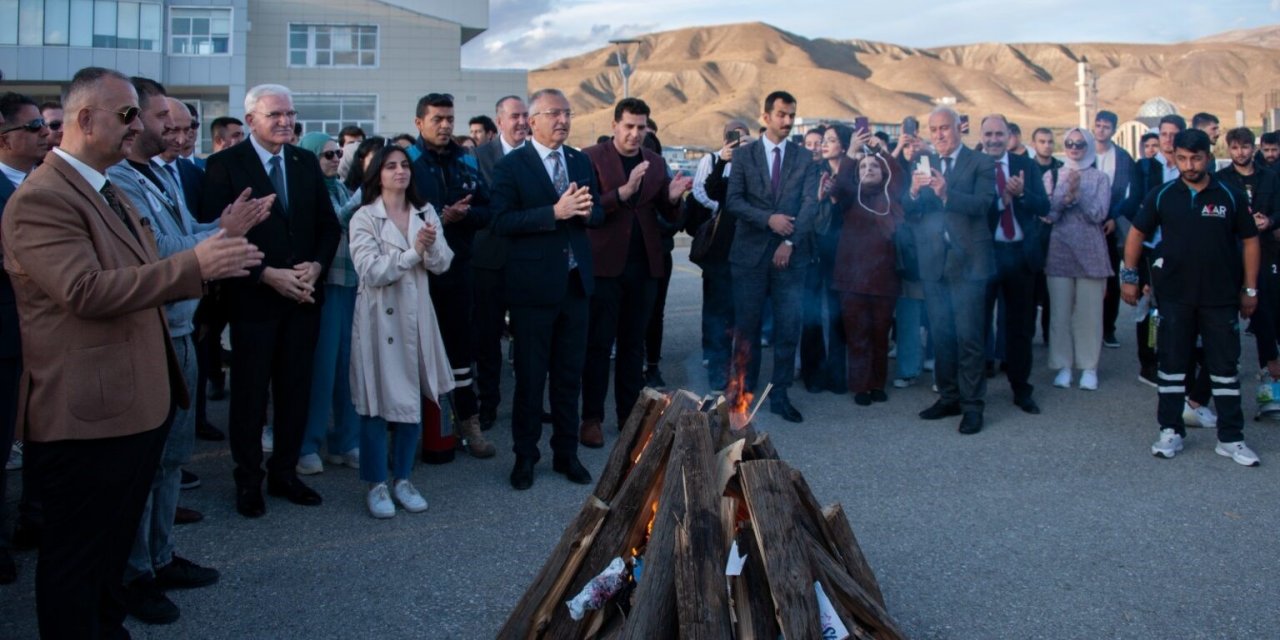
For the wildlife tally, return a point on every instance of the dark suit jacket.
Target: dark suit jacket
(523, 200)
(611, 241)
(10, 339)
(308, 232)
(96, 351)
(488, 249)
(1120, 185)
(751, 201)
(1148, 173)
(192, 185)
(1028, 210)
(953, 242)
(487, 157)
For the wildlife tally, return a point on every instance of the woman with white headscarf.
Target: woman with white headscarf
(1077, 266)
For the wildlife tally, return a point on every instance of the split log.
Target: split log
(851, 553)
(771, 500)
(702, 603)
(530, 615)
(639, 426)
(866, 611)
(752, 600)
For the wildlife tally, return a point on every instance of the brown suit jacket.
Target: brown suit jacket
(97, 361)
(610, 241)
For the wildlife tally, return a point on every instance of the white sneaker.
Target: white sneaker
(1238, 451)
(15, 457)
(1088, 379)
(409, 498)
(309, 465)
(903, 383)
(1201, 416)
(268, 439)
(893, 350)
(1169, 444)
(379, 501)
(1063, 379)
(348, 459)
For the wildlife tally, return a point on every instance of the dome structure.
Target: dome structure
(1157, 108)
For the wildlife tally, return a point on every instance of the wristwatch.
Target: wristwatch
(1252, 293)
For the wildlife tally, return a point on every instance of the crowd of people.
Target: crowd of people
(366, 284)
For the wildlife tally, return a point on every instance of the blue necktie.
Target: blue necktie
(277, 183)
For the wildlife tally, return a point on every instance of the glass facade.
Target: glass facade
(331, 112)
(333, 45)
(108, 24)
(199, 31)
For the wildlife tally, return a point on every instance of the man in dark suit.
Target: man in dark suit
(773, 190)
(1118, 165)
(25, 138)
(544, 197)
(1014, 221)
(189, 177)
(101, 379)
(275, 312)
(627, 255)
(488, 256)
(948, 208)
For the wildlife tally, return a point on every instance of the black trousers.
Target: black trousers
(211, 319)
(1218, 329)
(1111, 299)
(653, 333)
(451, 295)
(274, 355)
(92, 492)
(1015, 279)
(822, 339)
(10, 371)
(489, 315)
(621, 308)
(1146, 354)
(1264, 319)
(717, 322)
(550, 342)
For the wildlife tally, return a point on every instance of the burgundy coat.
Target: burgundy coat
(865, 255)
(610, 241)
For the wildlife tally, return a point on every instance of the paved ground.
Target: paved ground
(1056, 526)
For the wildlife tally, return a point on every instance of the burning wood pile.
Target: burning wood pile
(698, 530)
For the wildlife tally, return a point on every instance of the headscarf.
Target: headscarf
(338, 193)
(1090, 151)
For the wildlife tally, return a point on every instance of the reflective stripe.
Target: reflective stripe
(1226, 392)
(1179, 389)
(462, 372)
(1225, 379)
(1174, 377)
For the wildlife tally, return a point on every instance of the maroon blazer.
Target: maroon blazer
(609, 241)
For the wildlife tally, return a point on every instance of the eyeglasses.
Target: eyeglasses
(55, 125)
(331, 154)
(126, 117)
(554, 113)
(276, 115)
(34, 126)
(1074, 144)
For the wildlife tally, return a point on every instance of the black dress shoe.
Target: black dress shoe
(572, 469)
(181, 573)
(940, 410)
(1027, 404)
(971, 423)
(144, 600)
(294, 491)
(814, 386)
(782, 407)
(547, 418)
(189, 480)
(208, 432)
(878, 395)
(653, 377)
(187, 516)
(8, 570)
(249, 502)
(522, 474)
(862, 399)
(26, 536)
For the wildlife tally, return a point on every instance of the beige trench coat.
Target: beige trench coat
(397, 354)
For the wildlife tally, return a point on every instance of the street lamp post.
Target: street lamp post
(624, 67)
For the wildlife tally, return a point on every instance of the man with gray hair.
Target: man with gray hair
(947, 205)
(275, 312)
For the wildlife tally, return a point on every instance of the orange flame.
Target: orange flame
(736, 394)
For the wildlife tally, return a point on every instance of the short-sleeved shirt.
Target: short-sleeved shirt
(1200, 261)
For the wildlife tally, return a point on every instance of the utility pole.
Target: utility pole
(624, 67)
(1087, 91)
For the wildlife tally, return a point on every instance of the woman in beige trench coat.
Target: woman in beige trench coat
(398, 359)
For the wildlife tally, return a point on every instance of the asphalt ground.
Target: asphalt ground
(1054, 526)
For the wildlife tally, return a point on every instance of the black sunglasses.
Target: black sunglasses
(126, 117)
(55, 125)
(332, 154)
(34, 126)
(1074, 145)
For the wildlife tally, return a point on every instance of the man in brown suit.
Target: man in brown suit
(101, 378)
(627, 252)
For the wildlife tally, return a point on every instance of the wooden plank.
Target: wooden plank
(653, 614)
(851, 552)
(752, 599)
(639, 426)
(771, 500)
(702, 602)
(548, 587)
(866, 611)
(762, 448)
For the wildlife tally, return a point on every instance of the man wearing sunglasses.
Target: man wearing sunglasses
(52, 113)
(103, 380)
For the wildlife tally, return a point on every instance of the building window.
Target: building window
(331, 112)
(108, 24)
(330, 45)
(199, 32)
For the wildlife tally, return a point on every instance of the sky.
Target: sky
(531, 33)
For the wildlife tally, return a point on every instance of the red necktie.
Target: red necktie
(1006, 218)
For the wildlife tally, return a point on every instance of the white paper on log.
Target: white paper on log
(832, 627)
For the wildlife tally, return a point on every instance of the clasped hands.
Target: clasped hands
(297, 283)
(575, 201)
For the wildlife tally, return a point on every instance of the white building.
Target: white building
(362, 62)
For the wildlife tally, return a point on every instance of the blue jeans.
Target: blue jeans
(330, 377)
(153, 543)
(908, 317)
(373, 448)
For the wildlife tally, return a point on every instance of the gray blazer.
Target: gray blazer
(487, 156)
(751, 200)
(954, 242)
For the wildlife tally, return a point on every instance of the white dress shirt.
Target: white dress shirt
(94, 177)
(545, 153)
(14, 176)
(769, 146)
(506, 148)
(266, 156)
(1002, 164)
